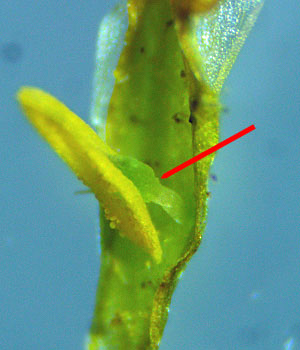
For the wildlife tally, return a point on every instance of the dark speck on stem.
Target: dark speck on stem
(192, 119)
(182, 74)
(133, 118)
(177, 118)
(194, 104)
(169, 23)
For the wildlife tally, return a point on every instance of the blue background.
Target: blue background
(241, 290)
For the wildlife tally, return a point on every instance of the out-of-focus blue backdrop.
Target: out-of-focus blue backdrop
(241, 290)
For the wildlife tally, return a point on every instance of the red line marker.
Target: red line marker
(208, 151)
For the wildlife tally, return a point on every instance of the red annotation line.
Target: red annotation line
(208, 151)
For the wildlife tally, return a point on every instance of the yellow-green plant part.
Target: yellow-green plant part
(157, 109)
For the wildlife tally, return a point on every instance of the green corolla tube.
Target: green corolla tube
(159, 72)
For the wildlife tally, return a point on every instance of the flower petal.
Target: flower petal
(87, 155)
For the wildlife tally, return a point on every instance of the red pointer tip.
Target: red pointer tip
(208, 151)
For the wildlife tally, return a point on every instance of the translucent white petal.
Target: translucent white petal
(109, 47)
(219, 36)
